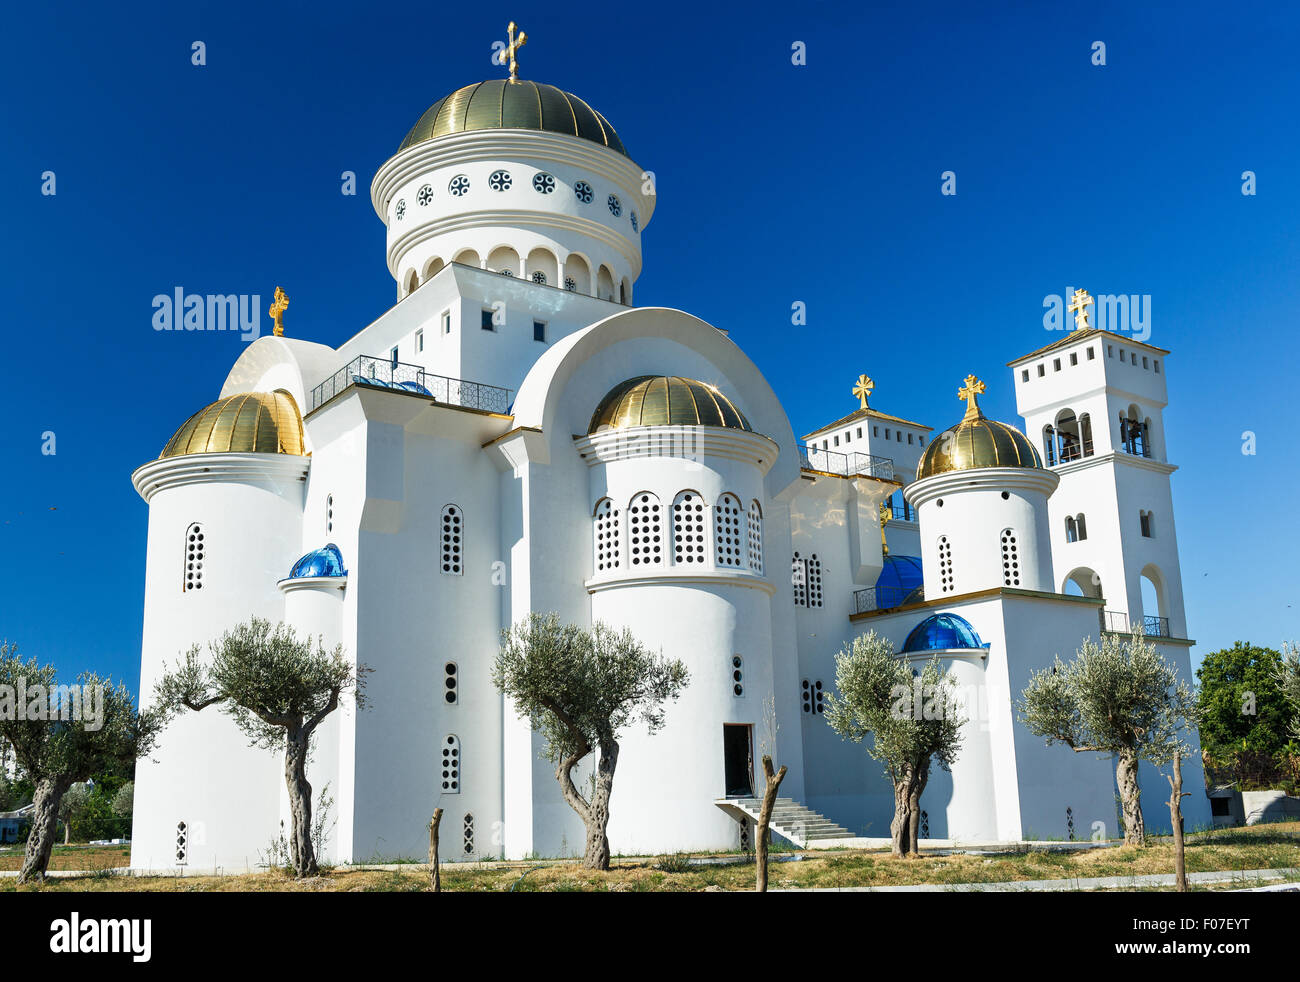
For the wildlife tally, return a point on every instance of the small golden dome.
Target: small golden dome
(250, 422)
(665, 400)
(976, 441)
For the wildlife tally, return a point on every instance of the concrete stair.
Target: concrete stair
(792, 821)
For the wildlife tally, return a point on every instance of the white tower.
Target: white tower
(981, 498)
(1092, 401)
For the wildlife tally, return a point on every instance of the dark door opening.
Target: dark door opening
(738, 757)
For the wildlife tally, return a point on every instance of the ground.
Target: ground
(1258, 847)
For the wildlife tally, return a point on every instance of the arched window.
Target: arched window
(727, 532)
(1081, 525)
(756, 537)
(945, 565)
(1069, 445)
(1049, 445)
(469, 834)
(1085, 433)
(799, 580)
(606, 538)
(1071, 529)
(451, 764)
(195, 550)
(688, 528)
(452, 540)
(1144, 518)
(1010, 558)
(645, 533)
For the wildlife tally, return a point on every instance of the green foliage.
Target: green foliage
(12, 795)
(265, 678)
(876, 696)
(69, 751)
(124, 800)
(95, 819)
(1122, 697)
(580, 688)
(1241, 703)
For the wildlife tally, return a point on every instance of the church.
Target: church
(515, 435)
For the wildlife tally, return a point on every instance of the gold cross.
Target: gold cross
(862, 388)
(1079, 303)
(508, 55)
(277, 312)
(969, 391)
(886, 513)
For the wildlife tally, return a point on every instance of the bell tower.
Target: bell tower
(1092, 402)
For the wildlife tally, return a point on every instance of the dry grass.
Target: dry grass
(1259, 847)
(75, 856)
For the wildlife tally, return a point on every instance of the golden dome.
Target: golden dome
(250, 422)
(518, 104)
(665, 400)
(976, 441)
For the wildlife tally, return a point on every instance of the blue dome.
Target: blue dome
(899, 579)
(319, 562)
(941, 631)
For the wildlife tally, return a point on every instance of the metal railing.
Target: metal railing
(384, 373)
(879, 598)
(1118, 622)
(846, 464)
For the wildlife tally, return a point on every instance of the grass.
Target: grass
(1256, 847)
(75, 856)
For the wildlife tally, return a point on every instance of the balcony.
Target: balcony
(384, 373)
(846, 464)
(1118, 622)
(884, 598)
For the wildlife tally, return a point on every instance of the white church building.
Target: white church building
(514, 435)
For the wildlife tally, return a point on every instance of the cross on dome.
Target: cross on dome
(508, 55)
(1079, 303)
(969, 391)
(277, 312)
(862, 388)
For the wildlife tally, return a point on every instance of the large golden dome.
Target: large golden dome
(665, 400)
(250, 422)
(503, 104)
(976, 441)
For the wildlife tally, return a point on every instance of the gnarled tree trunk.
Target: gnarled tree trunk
(301, 852)
(1126, 776)
(921, 779)
(765, 818)
(47, 797)
(900, 828)
(598, 814)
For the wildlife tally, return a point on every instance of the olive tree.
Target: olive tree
(63, 735)
(579, 689)
(1288, 679)
(1120, 697)
(277, 688)
(912, 720)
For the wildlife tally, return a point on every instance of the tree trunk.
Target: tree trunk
(435, 875)
(1126, 776)
(921, 779)
(301, 852)
(67, 831)
(1176, 816)
(900, 827)
(598, 814)
(765, 818)
(47, 797)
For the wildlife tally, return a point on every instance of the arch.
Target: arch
(542, 261)
(1071, 529)
(605, 536)
(625, 292)
(754, 525)
(431, 269)
(577, 271)
(1049, 445)
(690, 527)
(1146, 524)
(645, 529)
(1085, 433)
(505, 260)
(410, 280)
(728, 532)
(605, 283)
(1081, 525)
(1082, 582)
(1069, 445)
(468, 257)
(1155, 610)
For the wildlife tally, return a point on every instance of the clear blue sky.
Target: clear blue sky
(776, 183)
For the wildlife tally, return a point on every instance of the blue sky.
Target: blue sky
(777, 183)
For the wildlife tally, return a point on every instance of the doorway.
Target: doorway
(738, 759)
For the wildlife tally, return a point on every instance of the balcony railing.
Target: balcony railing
(846, 464)
(880, 598)
(1118, 622)
(384, 373)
